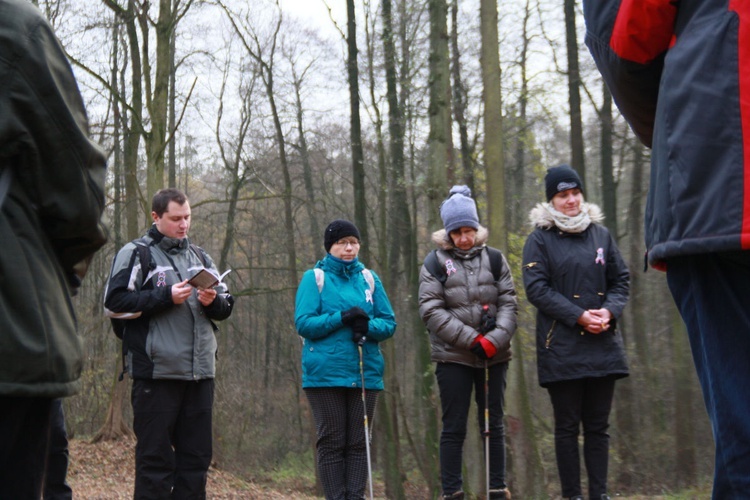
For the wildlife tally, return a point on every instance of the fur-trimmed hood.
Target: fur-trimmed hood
(444, 242)
(541, 217)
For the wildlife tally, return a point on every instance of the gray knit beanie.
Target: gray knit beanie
(459, 209)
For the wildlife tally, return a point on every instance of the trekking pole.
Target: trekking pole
(487, 427)
(486, 308)
(364, 407)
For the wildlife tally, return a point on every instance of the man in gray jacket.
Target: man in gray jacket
(171, 350)
(52, 198)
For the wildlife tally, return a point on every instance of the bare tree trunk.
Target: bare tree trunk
(381, 220)
(114, 425)
(398, 236)
(459, 104)
(526, 465)
(493, 125)
(515, 191)
(233, 162)
(440, 143)
(134, 198)
(574, 91)
(172, 154)
(304, 154)
(157, 102)
(358, 157)
(626, 403)
(609, 185)
(440, 169)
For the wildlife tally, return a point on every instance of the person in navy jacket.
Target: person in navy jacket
(680, 74)
(340, 307)
(574, 275)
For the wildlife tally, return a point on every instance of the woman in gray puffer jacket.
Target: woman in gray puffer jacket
(468, 303)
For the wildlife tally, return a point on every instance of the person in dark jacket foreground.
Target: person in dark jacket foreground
(471, 318)
(171, 351)
(52, 198)
(678, 71)
(342, 313)
(575, 277)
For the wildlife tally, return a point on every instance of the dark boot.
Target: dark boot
(577, 497)
(501, 494)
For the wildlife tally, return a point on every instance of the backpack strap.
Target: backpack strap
(144, 256)
(496, 262)
(369, 279)
(432, 264)
(320, 278)
(200, 253)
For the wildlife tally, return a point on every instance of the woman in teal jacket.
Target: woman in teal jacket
(341, 306)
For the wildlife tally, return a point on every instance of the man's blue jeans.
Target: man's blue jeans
(712, 292)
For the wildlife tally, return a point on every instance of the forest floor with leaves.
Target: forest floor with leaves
(105, 471)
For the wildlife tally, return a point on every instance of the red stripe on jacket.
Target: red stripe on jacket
(742, 8)
(643, 29)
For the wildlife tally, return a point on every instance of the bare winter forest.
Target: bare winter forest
(277, 117)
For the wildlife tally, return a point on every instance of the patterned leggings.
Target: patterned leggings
(342, 451)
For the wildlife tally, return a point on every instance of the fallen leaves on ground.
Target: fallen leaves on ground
(106, 470)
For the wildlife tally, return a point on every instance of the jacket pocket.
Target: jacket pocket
(550, 335)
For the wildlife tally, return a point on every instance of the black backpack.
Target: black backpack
(432, 264)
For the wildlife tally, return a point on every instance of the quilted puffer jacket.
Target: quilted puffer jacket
(452, 311)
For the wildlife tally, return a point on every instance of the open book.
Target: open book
(205, 279)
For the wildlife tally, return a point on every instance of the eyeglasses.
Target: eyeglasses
(344, 243)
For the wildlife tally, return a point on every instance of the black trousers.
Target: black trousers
(456, 383)
(55, 485)
(341, 448)
(24, 433)
(584, 402)
(172, 421)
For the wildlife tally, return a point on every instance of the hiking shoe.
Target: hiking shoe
(459, 495)
(502, 493)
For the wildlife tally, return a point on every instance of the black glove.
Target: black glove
(487, 323)
(483, 348)
(360, 327)
(478, 350)
(348, 316)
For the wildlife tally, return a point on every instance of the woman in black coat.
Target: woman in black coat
(575, 276)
